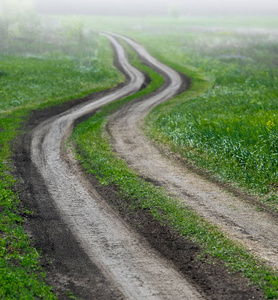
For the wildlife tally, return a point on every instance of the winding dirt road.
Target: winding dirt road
(242, 221)
(132, 267)
(86, 246)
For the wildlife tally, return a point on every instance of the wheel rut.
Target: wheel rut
(125, 261)
(257, 230)
(89, 247)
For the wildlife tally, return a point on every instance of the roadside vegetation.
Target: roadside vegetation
(65, 61)
(57, 65)
(231, 129)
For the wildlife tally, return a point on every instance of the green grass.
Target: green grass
(42, 78)
(95, 153)
(232, 128)
(29, 82)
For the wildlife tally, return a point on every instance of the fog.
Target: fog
(159, 7)
(21, 24)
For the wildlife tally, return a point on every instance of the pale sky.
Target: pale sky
(160, 6)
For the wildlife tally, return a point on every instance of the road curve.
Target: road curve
(125, 258)
(257, 230)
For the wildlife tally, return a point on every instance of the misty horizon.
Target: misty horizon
(157, 7)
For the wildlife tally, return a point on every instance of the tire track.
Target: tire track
(242, 221)
(126, 259)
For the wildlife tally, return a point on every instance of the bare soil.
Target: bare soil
(83, 229)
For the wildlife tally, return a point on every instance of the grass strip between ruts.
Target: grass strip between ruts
(95, 153)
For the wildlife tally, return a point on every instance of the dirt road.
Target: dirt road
(129, 264)
(242, 221)
(86, 246)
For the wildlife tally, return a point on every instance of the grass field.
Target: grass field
(229, 112)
